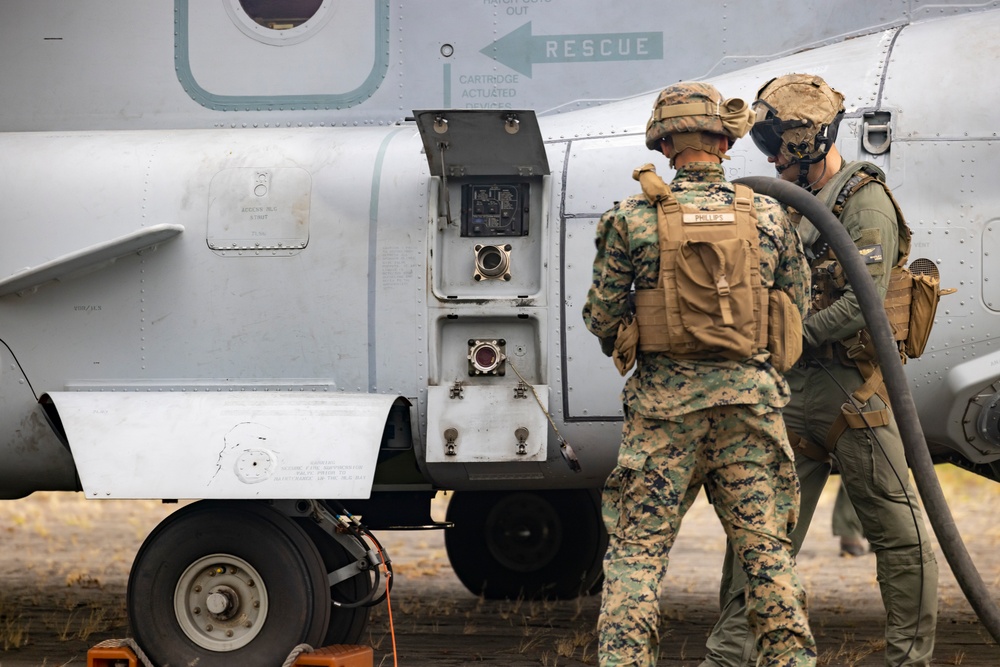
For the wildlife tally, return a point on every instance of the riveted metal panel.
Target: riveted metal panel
(259, 211)
(485, 421)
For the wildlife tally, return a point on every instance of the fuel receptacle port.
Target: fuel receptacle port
(487, 357)
(492, 262)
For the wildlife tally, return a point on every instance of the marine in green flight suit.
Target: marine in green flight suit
(797, 118)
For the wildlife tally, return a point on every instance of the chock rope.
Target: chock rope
(296, 652)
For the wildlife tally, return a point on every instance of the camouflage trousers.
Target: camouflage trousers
(742, 457)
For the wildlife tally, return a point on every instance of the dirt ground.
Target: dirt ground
(64, 565)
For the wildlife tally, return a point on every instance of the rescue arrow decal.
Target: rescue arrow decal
(519, 50)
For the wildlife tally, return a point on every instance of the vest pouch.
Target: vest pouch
(923, 307)
(651, 319)
(899, 303)
(784, 335)
(716, 297)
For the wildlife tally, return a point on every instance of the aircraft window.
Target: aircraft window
(280, 14)
(279, 22)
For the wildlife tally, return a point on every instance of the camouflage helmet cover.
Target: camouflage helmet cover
(797, 115)
(694, 106)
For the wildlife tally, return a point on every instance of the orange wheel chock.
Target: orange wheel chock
(337, 655)
(118, 656)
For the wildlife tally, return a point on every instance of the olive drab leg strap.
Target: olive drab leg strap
(808, 448)
(851, 415)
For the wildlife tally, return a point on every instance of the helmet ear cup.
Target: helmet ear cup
(828, 133)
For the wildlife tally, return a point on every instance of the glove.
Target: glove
(626, 344)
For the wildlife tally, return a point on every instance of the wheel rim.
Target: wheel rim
(523, 532)
(221, 602)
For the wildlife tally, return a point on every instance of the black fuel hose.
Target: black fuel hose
(905, 411)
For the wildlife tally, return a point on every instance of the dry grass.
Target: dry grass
(83, 544)
(957, 659)
(14, 630)
(87, 547)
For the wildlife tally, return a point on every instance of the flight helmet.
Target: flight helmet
(684, 111)
(797, 116)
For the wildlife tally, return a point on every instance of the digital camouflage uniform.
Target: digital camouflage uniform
(873, 469)
(693, 423)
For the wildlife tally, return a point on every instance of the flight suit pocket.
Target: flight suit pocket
(889, 470)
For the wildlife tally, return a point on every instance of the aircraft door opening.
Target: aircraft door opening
(596, 166)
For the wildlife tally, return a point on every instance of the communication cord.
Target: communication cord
(907, 419)
(388, 606)
(360, 532)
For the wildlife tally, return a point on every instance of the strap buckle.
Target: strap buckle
(854, 345)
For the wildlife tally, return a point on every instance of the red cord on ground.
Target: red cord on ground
(388, 605)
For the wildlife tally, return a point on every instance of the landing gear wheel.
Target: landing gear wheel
(346, 624)
(536, 544)
(221, 583)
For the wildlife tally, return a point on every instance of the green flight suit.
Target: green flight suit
(873, 469)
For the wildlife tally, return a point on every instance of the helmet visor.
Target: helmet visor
(766, 131)
(766, 135)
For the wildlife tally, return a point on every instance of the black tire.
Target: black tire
(532, 544)
(242, 559)
(347, 624)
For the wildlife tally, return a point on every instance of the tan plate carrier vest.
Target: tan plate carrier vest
(709, 301)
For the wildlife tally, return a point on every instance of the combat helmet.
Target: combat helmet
(684, 111)
(797, 116)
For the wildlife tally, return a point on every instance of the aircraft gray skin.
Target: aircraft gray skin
(300, 315)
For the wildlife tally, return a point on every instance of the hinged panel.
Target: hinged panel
(482, 143)
(484, 423)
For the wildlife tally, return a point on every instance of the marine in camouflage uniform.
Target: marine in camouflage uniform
(797, 117)
(688, 423)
